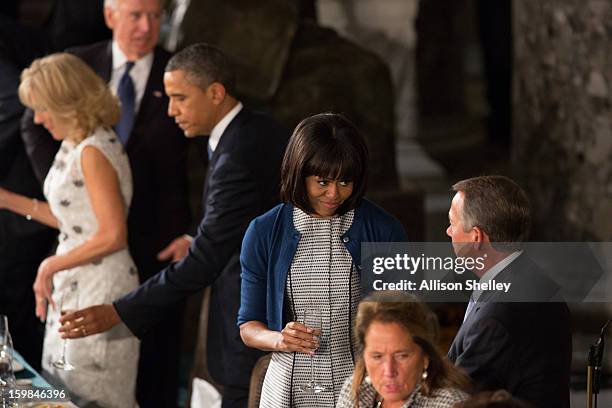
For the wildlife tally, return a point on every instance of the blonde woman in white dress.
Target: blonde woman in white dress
(88, 192)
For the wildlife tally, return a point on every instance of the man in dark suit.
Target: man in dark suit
(159, 212)
(245, 150)
(519, 340)
(24, 243)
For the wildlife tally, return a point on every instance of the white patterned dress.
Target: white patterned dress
(321, 274)
(106, 363)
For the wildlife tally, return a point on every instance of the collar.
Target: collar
(220, 127)
(494, 271)
(407, 403)
(119, 59)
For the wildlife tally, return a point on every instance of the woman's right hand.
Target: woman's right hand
(297, 337)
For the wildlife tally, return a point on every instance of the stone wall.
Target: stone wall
(562, 115)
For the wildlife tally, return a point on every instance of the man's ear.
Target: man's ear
(217, 93)
(109, 17)
(479, 237)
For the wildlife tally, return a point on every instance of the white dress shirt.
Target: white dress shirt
(494, 271)
(488, 276)
(220, 127)
(139, 73)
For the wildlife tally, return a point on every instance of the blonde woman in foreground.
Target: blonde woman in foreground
(88, 191)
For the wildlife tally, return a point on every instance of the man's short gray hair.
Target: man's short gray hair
(204, 64)
(498, 206)
(113, 3)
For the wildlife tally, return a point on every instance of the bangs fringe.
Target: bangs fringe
(334, 164)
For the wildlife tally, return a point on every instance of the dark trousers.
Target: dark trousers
(230, 362)
(158, 367)
(235, 397)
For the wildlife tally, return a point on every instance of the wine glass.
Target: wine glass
(6, 343)
(5, 335)
(7, 376)
(7, 380)
(312, 320)
(68, 303)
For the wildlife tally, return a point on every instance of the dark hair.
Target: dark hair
(325, 145)
(493, 399)
(203, 65)
(421, 324)
(498, 206)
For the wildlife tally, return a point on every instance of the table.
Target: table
(38, 383)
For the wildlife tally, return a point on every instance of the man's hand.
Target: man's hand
(88, 321)
(176, 250)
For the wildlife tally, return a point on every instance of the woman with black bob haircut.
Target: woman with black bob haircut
(330, 147)
(304, 256)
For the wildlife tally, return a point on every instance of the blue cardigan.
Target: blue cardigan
(270, 244)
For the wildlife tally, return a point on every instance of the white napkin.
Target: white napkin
(204, 395)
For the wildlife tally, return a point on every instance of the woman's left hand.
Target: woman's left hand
(43, 286)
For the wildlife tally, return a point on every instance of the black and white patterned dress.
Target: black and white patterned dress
(322, 275)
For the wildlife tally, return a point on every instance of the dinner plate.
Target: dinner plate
(23, 382)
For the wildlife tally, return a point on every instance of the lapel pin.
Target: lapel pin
(157, 94)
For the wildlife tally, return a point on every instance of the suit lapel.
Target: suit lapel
(225, 142)
(456, 348)
(102, 63)
(489, 296)
(229, 134)
(504, 276)
(152, 102)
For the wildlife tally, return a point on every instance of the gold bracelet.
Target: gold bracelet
(29, 216)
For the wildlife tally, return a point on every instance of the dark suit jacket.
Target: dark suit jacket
(523, 347)
(242, 182)
(23, 244)
(157, 150)
(16, 174)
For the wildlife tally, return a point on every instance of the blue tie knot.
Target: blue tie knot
(128, 67)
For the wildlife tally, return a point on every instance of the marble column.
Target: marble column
(562, 108)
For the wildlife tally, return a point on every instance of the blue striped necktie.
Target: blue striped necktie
(127, 97)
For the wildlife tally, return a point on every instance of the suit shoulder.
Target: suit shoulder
(257, 139)
(262, 123)
(163, 55)
(515, 317)
(532, 283)
(86, 52)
